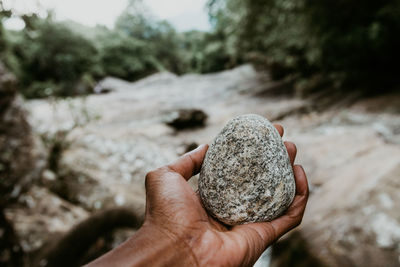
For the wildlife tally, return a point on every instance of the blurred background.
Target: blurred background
(94, 94)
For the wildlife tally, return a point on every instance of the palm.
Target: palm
(189, 214)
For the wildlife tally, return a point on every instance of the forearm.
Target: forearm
(149, 247)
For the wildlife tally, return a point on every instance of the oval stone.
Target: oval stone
(246, 175)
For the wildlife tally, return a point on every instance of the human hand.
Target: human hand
(178, 231)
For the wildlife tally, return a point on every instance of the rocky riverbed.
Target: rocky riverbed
(101, 147)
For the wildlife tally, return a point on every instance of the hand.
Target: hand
(178, 231)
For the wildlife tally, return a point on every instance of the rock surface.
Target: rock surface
(22, 158)
(349, 154)
(246, 175)
(353, 171)
(186, 119)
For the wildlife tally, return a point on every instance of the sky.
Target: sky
(183, 14)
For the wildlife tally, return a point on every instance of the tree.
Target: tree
(347, 44)
(51, 57)
(163, 41)
(127, 58)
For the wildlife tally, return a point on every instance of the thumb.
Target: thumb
(190, 163)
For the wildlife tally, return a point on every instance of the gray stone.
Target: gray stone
(246, 175)
(187, 119)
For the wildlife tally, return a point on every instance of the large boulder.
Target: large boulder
(40, 216)
(97, 172)
(22, 158)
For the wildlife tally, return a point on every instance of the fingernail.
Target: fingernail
(200, 147)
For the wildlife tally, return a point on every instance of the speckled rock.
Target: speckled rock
(246, 175)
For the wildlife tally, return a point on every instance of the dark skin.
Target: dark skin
(178, 231)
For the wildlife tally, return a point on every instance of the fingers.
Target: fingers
(279, 128)
(190, 163)
(259, 235)
(301, 181)
(290, 147)
(263, 234)
(294, 214)
(292, 151)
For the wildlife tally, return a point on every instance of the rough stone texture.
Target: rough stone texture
(22, 157)
(50, 215)
(246, 175)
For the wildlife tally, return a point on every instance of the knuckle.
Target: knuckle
(296, 223)
(147, 180)
(292, 145)
(150, 176)
(155, 174)
(299, 219)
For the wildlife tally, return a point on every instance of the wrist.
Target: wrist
(150, 246)
(158, 246)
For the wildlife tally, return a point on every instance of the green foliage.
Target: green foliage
(204, 52)
(136, 21)
(317, 44)
(347, 43)
(273, 32)
(5, 54)
(358, 40)
(193, 44)
(50, 53)
(65, 58)
(160, 38)
(127, 58)
(167, 47)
